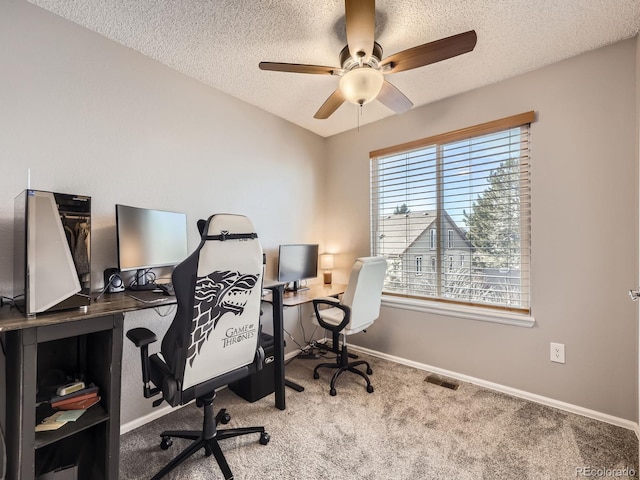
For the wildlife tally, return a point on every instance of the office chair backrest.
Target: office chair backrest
(364, 292)
(218, 289)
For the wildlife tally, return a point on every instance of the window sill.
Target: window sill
(459, 311)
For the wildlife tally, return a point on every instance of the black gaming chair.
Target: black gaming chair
(213, 339)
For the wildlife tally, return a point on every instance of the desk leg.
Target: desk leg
(278, 339)
(21, 371)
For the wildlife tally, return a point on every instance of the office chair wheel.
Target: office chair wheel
(166, 443)
(333, 392)
(370, 388)
(369, 371)
(316, 375)
(264, 438)
(226, 418)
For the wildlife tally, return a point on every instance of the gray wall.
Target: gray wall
(584, 233)
(89, 116)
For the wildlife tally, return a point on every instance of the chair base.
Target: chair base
(342, 364)
(207, 439)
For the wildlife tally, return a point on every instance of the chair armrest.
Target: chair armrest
(258, 359)
(141, 337)
(333, 302)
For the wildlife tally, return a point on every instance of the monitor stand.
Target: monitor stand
(141, 284)
(143, 288)
(295, 287)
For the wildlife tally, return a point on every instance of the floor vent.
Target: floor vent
(436, 380)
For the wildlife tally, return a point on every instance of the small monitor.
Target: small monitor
(297, 262)
(149, 238)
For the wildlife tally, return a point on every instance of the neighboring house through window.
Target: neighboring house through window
(463, 194)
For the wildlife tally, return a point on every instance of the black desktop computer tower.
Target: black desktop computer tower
(52, 251)
(261, 383)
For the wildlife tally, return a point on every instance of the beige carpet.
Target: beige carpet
(406, 429)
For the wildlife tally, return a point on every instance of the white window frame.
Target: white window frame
(433, 239)
(419, 265)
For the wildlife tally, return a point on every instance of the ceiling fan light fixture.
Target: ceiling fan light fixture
(361, 85)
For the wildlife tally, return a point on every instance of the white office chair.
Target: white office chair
(358, 309)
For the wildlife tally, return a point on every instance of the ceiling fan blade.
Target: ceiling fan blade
(393, 98)
(330, 105)
(360, 17)
(298, 68)
(431, 52)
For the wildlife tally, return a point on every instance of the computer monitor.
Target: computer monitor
(148, 239)
(297, 262)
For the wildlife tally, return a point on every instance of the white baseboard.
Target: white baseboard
(150, 417)
(567, 407)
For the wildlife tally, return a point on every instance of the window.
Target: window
(432, 239)
(464, 194)
(418, 265)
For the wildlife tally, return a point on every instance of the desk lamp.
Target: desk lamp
(326, 264)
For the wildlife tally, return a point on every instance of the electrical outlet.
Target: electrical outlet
(557, 352)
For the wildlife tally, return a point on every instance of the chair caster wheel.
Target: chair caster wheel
(166, 443)
(264, 438)
(369, 371)
(226, 418)
(370, 388)
(316, 375)
(332, 392)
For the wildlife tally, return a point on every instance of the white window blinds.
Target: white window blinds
(463, 198)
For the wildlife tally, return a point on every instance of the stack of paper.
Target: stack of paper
(58, 419)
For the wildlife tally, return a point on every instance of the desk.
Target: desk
(293, 299)
(90, 342)
(296, 299)
(300, 297)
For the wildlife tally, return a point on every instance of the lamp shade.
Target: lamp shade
(326, 261)
(361, 85)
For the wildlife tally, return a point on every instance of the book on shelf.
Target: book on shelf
(80, 404)
(74, 400)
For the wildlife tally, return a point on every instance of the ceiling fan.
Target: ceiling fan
(362, 67)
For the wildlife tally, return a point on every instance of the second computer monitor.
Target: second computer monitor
(297, 262)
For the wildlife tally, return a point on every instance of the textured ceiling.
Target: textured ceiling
(220, 43)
